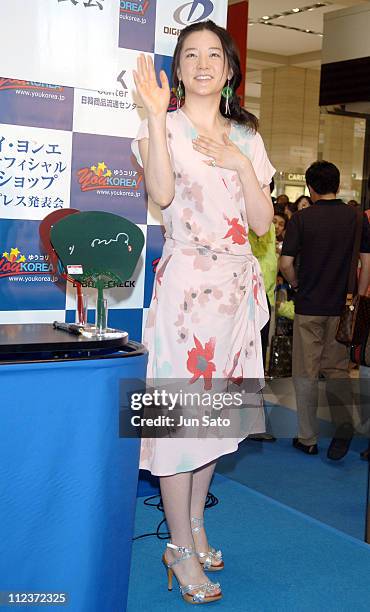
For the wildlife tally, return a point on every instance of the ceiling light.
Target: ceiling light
(274, 19)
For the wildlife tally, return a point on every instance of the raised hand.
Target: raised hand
(155, 97)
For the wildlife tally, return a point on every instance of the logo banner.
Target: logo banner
(36, 104)
(175, 16)
(26, 277)
(137, 24)
(105, 177)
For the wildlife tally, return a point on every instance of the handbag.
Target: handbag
(280, 365)
(360, 353)
(354, 320)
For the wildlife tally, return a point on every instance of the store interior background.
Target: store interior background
(283, 64)
(283, 89)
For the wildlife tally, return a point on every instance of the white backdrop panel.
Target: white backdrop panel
(63, 42)
(115, 111)
(35, 171)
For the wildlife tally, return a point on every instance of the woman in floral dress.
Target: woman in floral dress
(205, 165)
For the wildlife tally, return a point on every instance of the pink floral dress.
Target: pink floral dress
(208, 303)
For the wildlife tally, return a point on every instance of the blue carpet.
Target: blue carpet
(276, 559)
(333, 492)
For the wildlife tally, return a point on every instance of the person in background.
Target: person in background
(264, 249)
(290, 209)
(323, 235)
(353, 203)
(303, 202)
(279, 208)
(282, 200)
(280, 221)
(365, 386)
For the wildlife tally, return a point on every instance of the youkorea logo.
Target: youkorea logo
(14, 264)
(6, 84)
(134, 8)
(199, 11)
(102, 179)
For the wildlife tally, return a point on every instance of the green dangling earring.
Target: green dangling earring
(227, 93)
(179, 94)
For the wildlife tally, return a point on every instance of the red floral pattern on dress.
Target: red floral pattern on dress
(230, 375)
(200, 362)
(256, 286)
(155, 263)
(159, 274)
(237, 232)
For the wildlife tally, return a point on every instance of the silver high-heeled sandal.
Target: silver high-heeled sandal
(192, 593)
(207, 559)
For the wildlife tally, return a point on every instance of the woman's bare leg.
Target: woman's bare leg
(176, 493)
(201, 481)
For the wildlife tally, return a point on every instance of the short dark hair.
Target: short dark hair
(279, 209)
(292, 206)
(283, 216)
(283, 195)
(323, 177)
(303, 197)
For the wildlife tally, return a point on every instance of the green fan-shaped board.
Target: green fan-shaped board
(97, 247)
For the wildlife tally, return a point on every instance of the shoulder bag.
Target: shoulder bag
(354, 320)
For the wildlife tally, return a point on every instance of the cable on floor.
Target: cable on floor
(211, 501)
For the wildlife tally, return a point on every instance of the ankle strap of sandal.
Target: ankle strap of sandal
(198, 524)
(185, 553)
